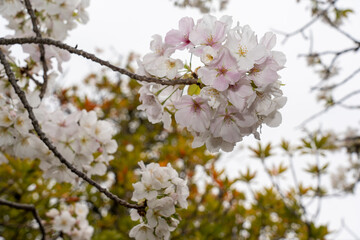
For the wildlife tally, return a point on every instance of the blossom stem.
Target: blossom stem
(169, 96)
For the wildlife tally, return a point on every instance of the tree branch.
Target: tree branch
(27, 207)
(305, 26)
(343, 32)
(340, 83)
(92, 57)
(41, 47)
(343, 225)
(339, 102)
(51, 147)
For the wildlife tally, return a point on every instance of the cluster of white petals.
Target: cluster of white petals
(162, 190)
(83, 139)
(55, 19)
(79, 136)
(238, 86)
(71, 220)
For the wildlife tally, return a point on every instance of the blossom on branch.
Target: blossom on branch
(237, 90)
(163, 190)
(71, 220)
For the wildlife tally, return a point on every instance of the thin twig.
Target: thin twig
(92, 57)
(305, 26)
(318, 187)
(340, 83)
(27, 207)
(343, 32)
(343, 224)
(307, 223)
(41, 47)
(351, 107)
(315, 54)
(327, 108)
(52, 148)
(296, 183)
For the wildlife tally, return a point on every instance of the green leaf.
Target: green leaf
(194, 89)
(248, 176)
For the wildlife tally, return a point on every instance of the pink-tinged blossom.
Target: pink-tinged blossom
(7, 118)
(62, 125)
(142, 231)
(264, 103)
(143, 191)
(193, 113)
(162, 230)
(163, 207)
(58, 172)
(159, 178)
(158, 63)
(50, 53)
(81, 210)
(228, 122)
(85, 232)
(159, 49)
(264, 74)
(134, 214)
(221, 73)
(180, 38)
(98, 168)
(88, 120)
(181, 192)
(163, 190)
(165, 67)
(22, 123)
(82, 161)
(274, 118)
(241, 95)
(269, 41)
(26, 146)
(150, 103)
(244, 47)
(209, 31)
(213, 144)
(76, 227)
(84, 143)
(103, 131)
(64, 222)
(52, 213)
(214, 98)
(208, 55)
(8, 136)
(155, 98)
(10, 7)
(267, 104)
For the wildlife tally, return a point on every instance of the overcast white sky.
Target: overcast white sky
(126, 26)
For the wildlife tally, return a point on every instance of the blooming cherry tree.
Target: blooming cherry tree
(234, 92)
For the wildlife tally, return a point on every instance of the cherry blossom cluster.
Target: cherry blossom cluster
(71, 220)
(79, 136)
(161, 190)
(54, 18)
(237, 90)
